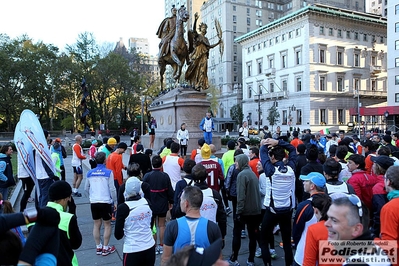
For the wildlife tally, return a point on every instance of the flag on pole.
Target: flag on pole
(324, 131)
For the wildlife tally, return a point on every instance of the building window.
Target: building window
(321, 30)
(285, 117)
(365, 37)
(234, 8)
(290, 34)
(356, 84)
(299, 116)
(339, 33)
(276, 40)
(299, 84)
(341, 116)
(356, 36)
(397, 80)
(271, 87)
(340, 84)
(260, 88)
(270, 42)
(322, 58)
(270, 5)
(298, 32)
(322, 85)
(285, 85)
(348, 34)
(397, 62)
(330, 31)
(283, 37)
(381, 39)
(396, 9)
(234, 18)
(373, 60)
(397, 45)
(259, 13)
(271, 62)
(249, 68)
(249, 92)
(235, 49)
(298, 57)
(373, 85)
(397, 27)
(323, 120)
(339, 58)
(248, 11)
(357, 60)
(284, 61)
(259, 66)
(249, 21)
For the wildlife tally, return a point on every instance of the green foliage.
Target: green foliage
(236, 113)
(37, 76)
(273, 116)
(213, 95)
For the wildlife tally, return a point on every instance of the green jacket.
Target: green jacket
(70, 236)
(248, 193)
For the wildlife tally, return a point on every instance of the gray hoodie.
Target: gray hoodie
(248, 194)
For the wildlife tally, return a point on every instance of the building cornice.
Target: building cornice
(317, 10)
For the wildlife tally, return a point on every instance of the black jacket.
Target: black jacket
(143, 160)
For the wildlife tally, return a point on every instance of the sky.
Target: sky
(59, 22)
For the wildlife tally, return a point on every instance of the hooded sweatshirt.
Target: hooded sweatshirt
(248, 194)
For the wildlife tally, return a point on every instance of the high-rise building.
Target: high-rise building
(322, 67)
(393, 61)
(141, 45)
(192, 6)
(378, 7)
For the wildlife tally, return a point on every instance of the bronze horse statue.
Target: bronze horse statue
(177, 52)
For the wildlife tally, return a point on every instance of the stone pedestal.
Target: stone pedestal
(181, 105)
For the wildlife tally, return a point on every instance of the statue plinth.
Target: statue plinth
(181, 105)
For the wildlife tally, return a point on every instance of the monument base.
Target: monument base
(181, 105)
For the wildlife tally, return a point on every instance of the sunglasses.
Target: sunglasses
(356, 202)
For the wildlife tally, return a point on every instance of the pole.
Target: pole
(142, 121)
(258, 114)
(358, 113)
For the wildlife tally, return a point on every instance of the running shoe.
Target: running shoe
(243, 234)
(258, 253)
(109, 250)
(228, 211)
(233, 263)
(250, 263)
(273, 254)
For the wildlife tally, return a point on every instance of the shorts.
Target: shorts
(77, 170)
(101, 211)
(160, 215)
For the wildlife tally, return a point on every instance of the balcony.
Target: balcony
(270, 71)
(273, 95)
(381, 93)
(375, 70)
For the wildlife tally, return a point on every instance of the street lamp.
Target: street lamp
(291, 109)
(386, 114)
(142, 111)
(358, 111)
(258, 95)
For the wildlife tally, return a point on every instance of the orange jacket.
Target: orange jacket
(316, 232)
(295, 142)
(114, 163)
(390, 221)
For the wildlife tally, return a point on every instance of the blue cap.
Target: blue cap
(314, 177)
(94, 141)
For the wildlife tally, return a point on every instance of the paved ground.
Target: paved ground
(86, 253)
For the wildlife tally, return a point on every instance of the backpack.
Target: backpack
(209, 207)
(3, 166)
(198, 157)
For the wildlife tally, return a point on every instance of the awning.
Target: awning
(222, 120)
(370, 111)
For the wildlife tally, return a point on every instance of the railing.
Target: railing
(375, 69)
